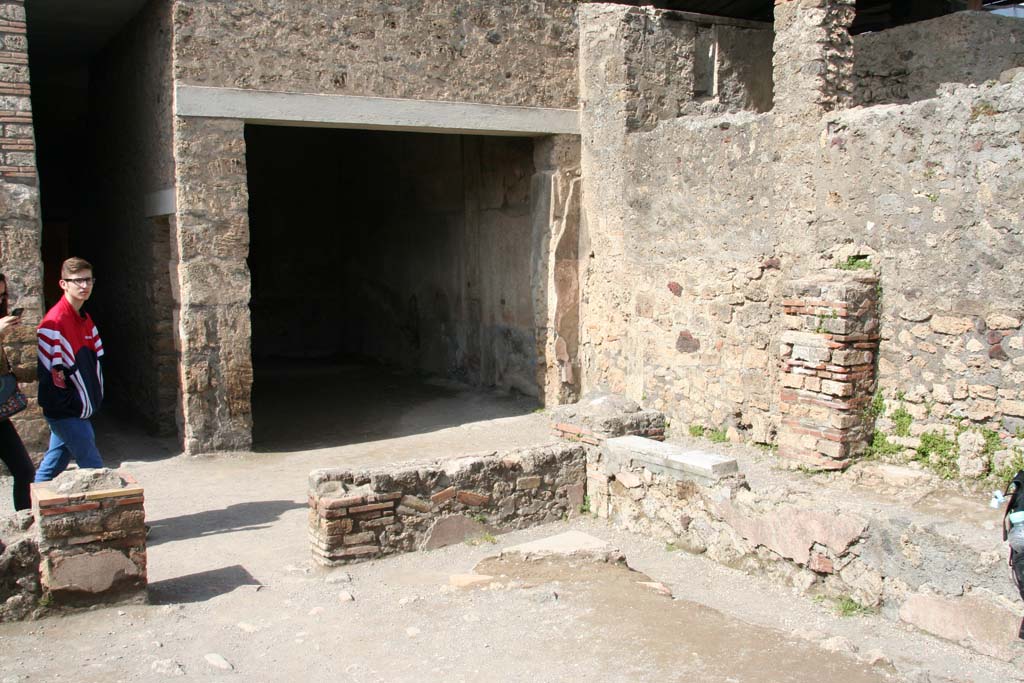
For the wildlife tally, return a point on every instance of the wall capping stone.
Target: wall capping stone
(371, 113)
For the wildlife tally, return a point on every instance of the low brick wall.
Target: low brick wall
(91, 531)
(360, 514)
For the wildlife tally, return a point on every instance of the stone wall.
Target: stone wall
(212, 287)
(131, 121)
(907, 63)
(695, 226)
(555, 277)
(911, 567)
(469, 51)
(19, 213)
(356, 515)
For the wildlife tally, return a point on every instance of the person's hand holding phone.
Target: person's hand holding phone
(9, 321)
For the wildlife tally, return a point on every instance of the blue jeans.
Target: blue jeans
(69, 436)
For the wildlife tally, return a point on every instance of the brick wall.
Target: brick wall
(828, 369)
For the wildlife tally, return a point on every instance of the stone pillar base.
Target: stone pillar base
(91, 527)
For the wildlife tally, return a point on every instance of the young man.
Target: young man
(70, 374)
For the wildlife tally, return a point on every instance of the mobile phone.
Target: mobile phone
(17, 312)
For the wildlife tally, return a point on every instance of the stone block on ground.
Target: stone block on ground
(568, 545)
(356, 515)
(979, 620)
(19, 567)
(664, 458)
(600, 416)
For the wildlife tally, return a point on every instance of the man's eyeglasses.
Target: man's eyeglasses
(81, 281)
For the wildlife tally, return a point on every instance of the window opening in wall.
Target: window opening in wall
(705, 67)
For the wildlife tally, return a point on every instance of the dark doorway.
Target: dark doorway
(406, 252)
(101, 105)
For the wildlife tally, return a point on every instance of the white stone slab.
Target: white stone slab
(568, 544)
(384, 113)
(668, 458)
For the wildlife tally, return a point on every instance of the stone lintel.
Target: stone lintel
(373, 113)
(665, 458)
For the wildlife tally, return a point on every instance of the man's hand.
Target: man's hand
(57, 374)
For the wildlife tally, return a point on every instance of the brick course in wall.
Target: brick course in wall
(828, 369)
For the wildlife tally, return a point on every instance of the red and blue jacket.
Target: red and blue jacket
(69, 369)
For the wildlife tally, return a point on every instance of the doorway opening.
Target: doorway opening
(391, 282)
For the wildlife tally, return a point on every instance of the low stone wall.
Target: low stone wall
(91, 532)
(947, 577)
(896, 561)
(20, 589)
(358, 515)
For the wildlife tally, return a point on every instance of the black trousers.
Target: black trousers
(14, 455)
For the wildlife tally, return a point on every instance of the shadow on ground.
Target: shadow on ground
(201, 586)
(237, 517)
(305, 405)
(121, 440)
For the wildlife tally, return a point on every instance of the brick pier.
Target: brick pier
(828, 369)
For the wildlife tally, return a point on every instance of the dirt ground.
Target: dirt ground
(234, 593)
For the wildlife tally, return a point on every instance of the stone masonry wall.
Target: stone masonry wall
(472, 51)
(555, 276)
(813, 55)
(943, 574)
(907, 63)
(20, 228)
(212, 285)
(910, 567)
(131, 120)
(695, 226)
(357, 515)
